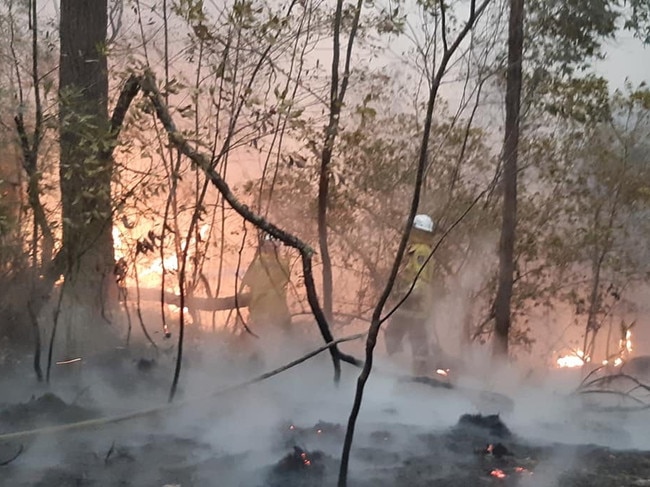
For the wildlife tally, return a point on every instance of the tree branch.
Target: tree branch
(443, 26)
(205, 163)
(376, 322)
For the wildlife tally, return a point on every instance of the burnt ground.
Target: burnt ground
(210, 447)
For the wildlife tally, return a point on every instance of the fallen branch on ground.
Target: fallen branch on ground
(612, 392)
(585, 388)
(609, 378)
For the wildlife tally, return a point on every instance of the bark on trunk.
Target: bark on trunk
(510, 148)
(85, 170)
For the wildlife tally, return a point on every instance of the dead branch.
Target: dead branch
(609, 378)
(585, 382)
(127, 94)
(205, 163)
(612, 392)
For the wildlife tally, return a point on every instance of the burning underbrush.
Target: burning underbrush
(299, 468)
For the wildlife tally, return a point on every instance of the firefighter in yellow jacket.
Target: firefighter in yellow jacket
(267, 278)
(410, 319)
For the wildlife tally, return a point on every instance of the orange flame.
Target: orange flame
(305, 459)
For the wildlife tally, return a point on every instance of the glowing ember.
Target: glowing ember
(318, 432)
(523, 470)
(498, 473)
(292, 427)
(305, 459)
(442, 372)
(577, 359)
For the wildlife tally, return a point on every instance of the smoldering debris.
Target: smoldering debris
(322, 432)
(479, 424)
(478, 450)
(264, 437)
(497, 450)
(300, 468)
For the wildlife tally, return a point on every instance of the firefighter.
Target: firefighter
(267, 279)
(410, 319)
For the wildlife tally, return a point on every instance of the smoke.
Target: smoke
(237, 436)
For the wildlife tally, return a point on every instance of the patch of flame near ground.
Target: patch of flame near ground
(578, 359)
(150, 270)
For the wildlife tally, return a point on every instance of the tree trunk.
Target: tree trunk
(510, 148)
(85, 171)
(338, 88)
(326, 158)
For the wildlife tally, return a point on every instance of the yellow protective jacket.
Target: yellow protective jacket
(415, 258)
(267, 279)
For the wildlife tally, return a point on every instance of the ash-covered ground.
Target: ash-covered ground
(288, 430)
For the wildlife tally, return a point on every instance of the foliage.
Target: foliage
(248, 81)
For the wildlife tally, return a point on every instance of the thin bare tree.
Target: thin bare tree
(509, 179)
(448, 51)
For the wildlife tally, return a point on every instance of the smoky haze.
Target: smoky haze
(235, 438)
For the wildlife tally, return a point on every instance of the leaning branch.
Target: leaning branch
(129, 92)
(203, 161)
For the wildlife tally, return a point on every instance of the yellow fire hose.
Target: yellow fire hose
(90, 423)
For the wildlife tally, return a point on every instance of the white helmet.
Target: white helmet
(424, 223)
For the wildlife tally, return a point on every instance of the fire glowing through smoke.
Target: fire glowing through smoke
(118, 246)
(158, 266)
(578, 359)
(627, 343)
(574, 360)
